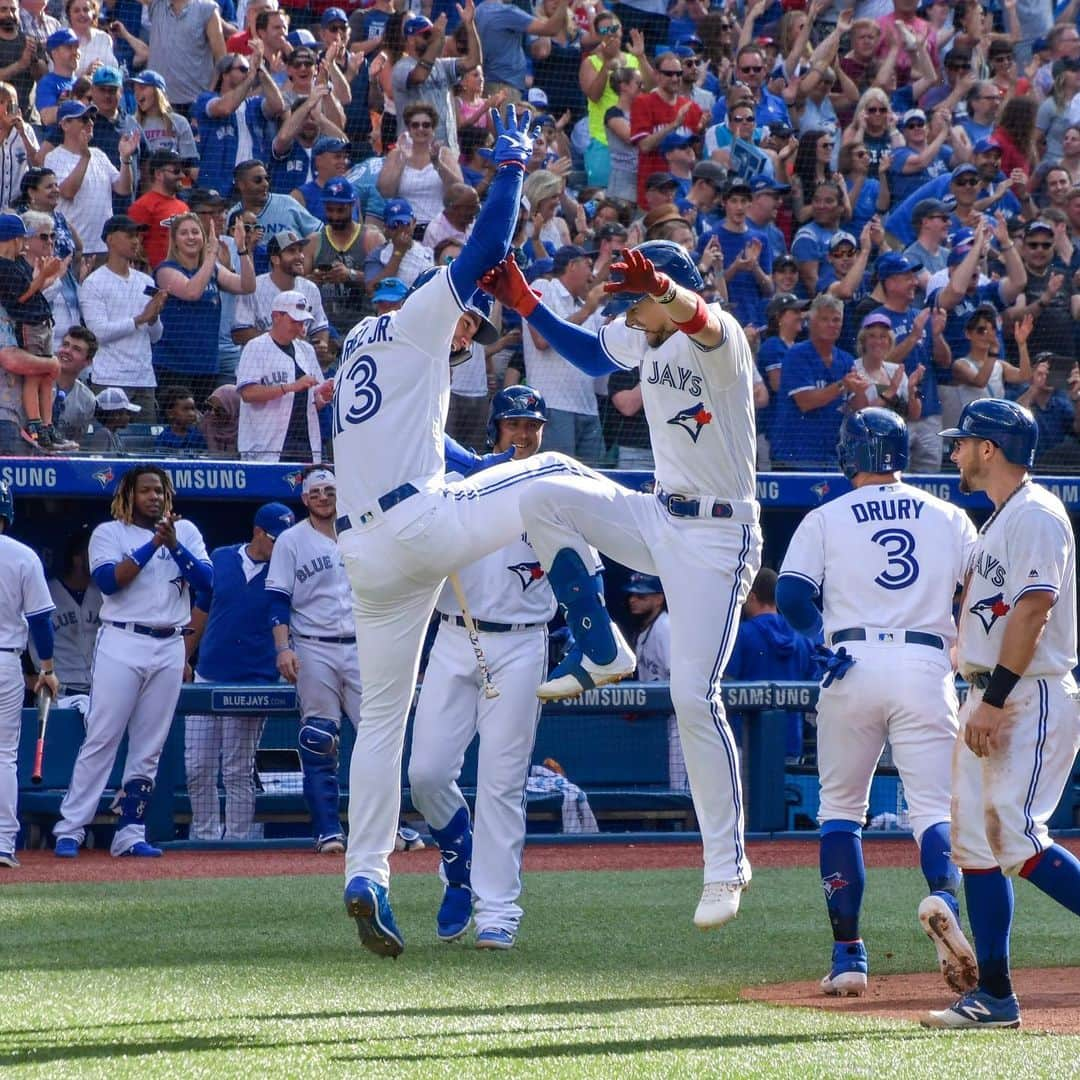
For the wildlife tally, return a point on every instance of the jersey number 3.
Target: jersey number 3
(903, 569)
(366, 395)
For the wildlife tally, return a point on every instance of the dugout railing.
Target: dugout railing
(612, 743)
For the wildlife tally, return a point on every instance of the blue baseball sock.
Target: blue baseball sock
(938, 868)
(1057, 873)
(989, 895)
(843, 876)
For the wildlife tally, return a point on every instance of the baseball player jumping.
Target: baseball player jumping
(512, 604)
(24, 604)
(891, 549)
(699, 531)
(403, 526)
(1021, 730)
(144, 562)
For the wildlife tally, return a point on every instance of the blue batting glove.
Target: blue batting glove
(835, 665)
(514, 140)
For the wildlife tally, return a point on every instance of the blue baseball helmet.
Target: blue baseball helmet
(643, 584)
(515, 403)
(7, 504)
(671, 259)
(1006, 424)
(872, 441)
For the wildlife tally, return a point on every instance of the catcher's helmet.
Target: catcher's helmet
(7, 504)
(872, 441)
(515, 402)
(1006, 424)
(671, 259)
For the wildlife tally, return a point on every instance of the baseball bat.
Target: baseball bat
(490, 689)
(44, 703)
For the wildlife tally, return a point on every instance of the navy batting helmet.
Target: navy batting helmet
(7, 504)
(671, 259)
(513, 403)
(1006, 424)
(872, 441)
(643, 584)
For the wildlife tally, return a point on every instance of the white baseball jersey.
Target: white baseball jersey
(75, 627)
(253, 309)
(308, 568)
(699, 403)
(653, 648)
(884, 555)
(507, 586)
(392, 389)
(1028, 545)
(158, 595)
(22, 591)
(263, 427)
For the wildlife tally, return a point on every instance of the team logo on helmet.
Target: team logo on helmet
(104, 476)
(990, 610)
(528, 573)
(833, 883)
(692, 420)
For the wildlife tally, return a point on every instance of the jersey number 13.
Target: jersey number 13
(366, 395)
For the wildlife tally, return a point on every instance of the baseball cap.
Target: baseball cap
(539, 268)
(71, 109)
(611, 230)
(1040, 44)
(390, 290)
(785, 262)
(761, 182)
(11, 227)
(338, 192)
(326, 144)
(738, 186)
(986, 146)
(63, 36)
(912, 114)
(146, 77)
(113, 399)
(161, 159)
(1066, 63)
(537, 96)
(925, 208)
(643, 584)
(842, 238)
(675, 140)
(691, 41)
(282, 240)
(876, 318)
(333, 15)
(785, 301)
(961, 237)
(301, 37)
(892, 263)
(205, 199)
(121, 223)
(544, 120)
(480, 306)
(963, 170)
(779, 130)
(566, 255)
(107, 76)
(1039, 226)
(397, 212)
(660, 180)
(999, 48)
(274, 518)
(302, 52)
(683, 51)
(710, 172)
(417, 25)
(294, 304)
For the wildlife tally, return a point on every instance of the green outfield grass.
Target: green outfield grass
(265, 978)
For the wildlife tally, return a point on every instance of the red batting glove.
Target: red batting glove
(507, 284)
(637, 275)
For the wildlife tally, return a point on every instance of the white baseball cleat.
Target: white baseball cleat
(577, 673)
(719, 904)
(955, 956)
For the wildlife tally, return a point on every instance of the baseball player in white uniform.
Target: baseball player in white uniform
(144, 561)
(403, 527)
(25, 604)
(895, 551)
(698, 533)
(512, 603)
(1020, 724)
(315, 641)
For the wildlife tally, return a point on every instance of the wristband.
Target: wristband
(242, 253)
(696, 321)
(279, 649)
(668, 297)
(1002, 681)
(141, 556)
(182, 557)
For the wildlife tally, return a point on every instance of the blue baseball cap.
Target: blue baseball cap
(301, 38)
(339, 192)
(417, 25)
(72, 109)
(643, 584)
(333, 15)
(63, 36)
(327, 144)
(986, 146)
(761, 182)
(675, 140)
(566, 255)
(539, 268)
(691, 42)
(390, 290)
(274, 518)
(892, 263)
(397, 212)
(146, 77)
(107, 76)
(963, 170)
(11, 227)
(683, 51)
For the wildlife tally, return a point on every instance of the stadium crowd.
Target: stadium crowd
(886, 194)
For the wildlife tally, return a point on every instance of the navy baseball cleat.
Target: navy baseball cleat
(849, 968)
(976, 1010)
(938, 914)
(139, 850)
(7, 858)
(495, 938)
(455, 913)
(67, 847)
(368, 903)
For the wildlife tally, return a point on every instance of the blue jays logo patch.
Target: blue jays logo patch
(179, 583)
(104, 476)
(990, 610)
(528, 573)
(692, 420)
(833, 883)
(821, 490)
(294, 479)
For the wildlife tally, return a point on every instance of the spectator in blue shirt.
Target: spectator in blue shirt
(1056, 417)
(765, 195)
(787, 316)
(811, 244)
(924, 154)
(63, 49)
(502, 28)
(846, 277)
(182, 437)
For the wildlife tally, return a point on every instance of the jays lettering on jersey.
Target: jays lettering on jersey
(158, 594)
(699, 403)
(889, 555)
(307, 567)
(1028, 546)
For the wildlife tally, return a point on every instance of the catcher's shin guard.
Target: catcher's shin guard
(319, 757)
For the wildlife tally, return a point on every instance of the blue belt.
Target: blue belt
(151, 631)
(390, 499)
(490, 627)
(10, 649)
(328, 640)
(683, 506)
(979, 679)
(911, 637)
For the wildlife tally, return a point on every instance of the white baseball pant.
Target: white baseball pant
(328, 683)
(11, 699)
